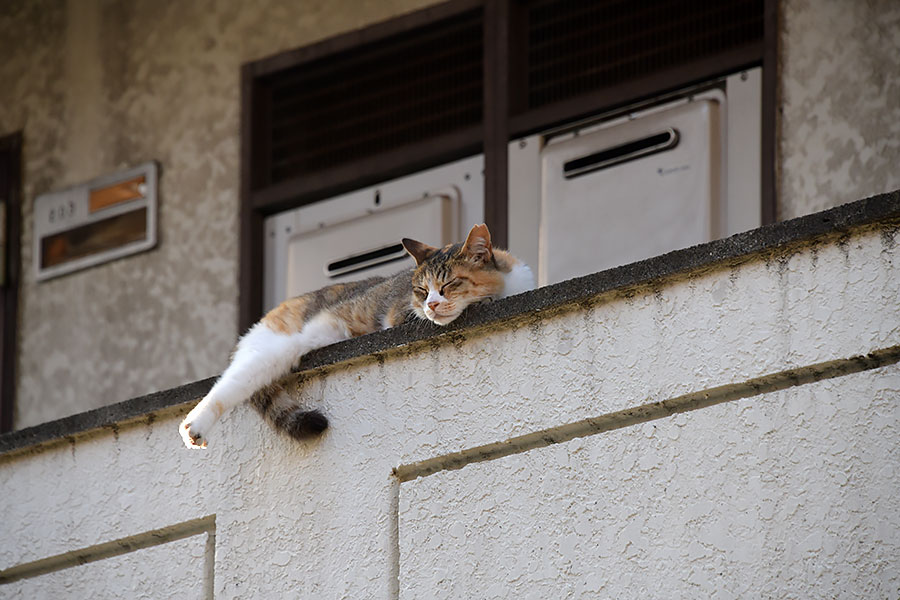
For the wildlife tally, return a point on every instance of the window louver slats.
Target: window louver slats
(381, 96)
(575, 47)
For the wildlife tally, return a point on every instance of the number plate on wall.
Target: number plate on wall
(95, 222)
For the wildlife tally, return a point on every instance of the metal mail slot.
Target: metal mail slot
(104, 219)
(369, 259)
(610, 157)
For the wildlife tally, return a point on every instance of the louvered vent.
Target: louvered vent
(408, 88)
(576, 47)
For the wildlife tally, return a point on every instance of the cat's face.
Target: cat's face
(449, 279)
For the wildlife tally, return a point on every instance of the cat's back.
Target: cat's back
(384, 304)
(290, 315)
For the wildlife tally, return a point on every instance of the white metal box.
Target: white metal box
(629, 190)
(357, 235)
(594, 220)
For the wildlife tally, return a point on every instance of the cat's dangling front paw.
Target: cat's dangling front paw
(194, 428)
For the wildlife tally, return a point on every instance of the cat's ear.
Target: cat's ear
(419, 251)
(478, 244)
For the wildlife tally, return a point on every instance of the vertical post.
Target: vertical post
(768, 188)
(10, 190)
(496, 119)
(250, 282)
(209, 564)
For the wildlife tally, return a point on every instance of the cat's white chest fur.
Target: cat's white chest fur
(519, 279)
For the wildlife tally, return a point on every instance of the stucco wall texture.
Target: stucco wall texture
(100, 85)
(785, 495)
(138, 575)
(792, 495)
(839, 79)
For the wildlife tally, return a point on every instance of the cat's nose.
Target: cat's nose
(434, 304)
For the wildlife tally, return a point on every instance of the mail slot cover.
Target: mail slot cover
(95, 222)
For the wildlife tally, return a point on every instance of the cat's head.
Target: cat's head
(449, 279)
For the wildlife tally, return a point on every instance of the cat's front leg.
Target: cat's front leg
(196, 423)
(262, 357)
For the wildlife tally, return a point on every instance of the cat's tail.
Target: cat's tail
(286, 415)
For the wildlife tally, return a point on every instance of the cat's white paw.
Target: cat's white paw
(194, 428)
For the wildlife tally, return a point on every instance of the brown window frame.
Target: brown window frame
(11, 182)
(502, 39)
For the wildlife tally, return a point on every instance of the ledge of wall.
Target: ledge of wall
(881, 209)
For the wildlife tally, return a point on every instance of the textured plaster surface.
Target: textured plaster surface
(791, 495)
(789, 310)
(136, 575)
(321, 519)
(839, 116)
(292, 520)
(100, 85)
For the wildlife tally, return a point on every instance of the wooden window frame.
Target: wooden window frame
(11, 163)
(501, 82)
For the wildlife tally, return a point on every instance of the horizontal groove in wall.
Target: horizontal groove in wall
(111, 549)
(756, 386)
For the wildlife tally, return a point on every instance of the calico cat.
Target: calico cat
(441, 285)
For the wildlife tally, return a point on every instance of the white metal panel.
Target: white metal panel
(743, 204)
(313, 257)
(638, 208)
(525, 198)
(433, 206)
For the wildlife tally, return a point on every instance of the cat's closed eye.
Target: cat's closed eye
(452, 285)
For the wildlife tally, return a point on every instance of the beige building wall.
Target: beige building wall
(839, 114)
(97, 86)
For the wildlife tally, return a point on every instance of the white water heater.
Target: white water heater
(665, 174)
(629, 190)
(357, 235)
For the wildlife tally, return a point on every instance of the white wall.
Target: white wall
(786, 494)
(790, 495)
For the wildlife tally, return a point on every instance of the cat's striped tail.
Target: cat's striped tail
(286, 415)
